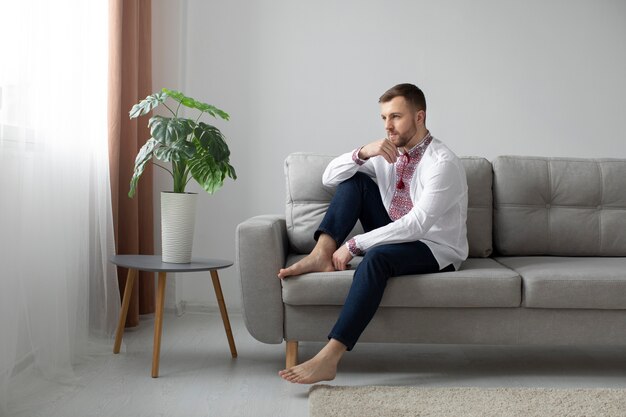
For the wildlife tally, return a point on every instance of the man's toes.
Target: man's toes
(292, 378)
(285, 272)
(286, 374)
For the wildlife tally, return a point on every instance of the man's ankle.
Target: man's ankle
(334, 349)
(326, 244)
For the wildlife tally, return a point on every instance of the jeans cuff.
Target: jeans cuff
(319, 231)
(349, 346)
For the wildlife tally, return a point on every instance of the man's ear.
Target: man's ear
(420, 117)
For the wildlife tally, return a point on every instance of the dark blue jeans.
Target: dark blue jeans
(358, 198)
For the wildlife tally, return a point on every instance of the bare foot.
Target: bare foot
(323, 367)
(316, 261)
(314, 370)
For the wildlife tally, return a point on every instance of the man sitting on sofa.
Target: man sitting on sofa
(410, 193)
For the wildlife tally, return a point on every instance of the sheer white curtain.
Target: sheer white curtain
(57, 290)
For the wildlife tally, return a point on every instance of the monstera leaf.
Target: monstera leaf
(194, 104)
(146, 105)
(145, 154)
(210, 166)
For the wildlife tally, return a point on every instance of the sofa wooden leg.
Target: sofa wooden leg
(292, 353)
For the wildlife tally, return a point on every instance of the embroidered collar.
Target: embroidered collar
(420, 147)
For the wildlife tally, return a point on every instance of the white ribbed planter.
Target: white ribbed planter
(178, 218)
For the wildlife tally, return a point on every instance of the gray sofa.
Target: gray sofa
(547, 262)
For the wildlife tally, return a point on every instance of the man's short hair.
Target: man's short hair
(410, 92)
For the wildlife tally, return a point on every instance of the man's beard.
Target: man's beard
(402, 140)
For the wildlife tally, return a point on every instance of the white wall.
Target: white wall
(500, 77)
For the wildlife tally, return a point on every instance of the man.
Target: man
(413, 215)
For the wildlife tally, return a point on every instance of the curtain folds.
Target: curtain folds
(130, 80)
(58, 292)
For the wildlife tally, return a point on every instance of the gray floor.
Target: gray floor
(198, 377)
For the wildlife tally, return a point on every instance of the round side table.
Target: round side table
(153, 263)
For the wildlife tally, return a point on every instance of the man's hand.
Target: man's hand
(382, 147)
(341, 257)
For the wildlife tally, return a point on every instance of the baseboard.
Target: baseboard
(183, 307)
(178, 308)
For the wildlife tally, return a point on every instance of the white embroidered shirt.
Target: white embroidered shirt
(426, 199)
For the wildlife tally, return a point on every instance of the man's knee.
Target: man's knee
(377, 259)
(359, 176)
(359, 179)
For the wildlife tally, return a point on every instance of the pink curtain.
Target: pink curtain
(130, 80)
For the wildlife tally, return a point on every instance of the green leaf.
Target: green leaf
(169, 130)
(176, 95)
(231, 172)
(146, 105)
(179, 151)
(210, 165)
(219, 150)
(194, 104)
(212, 141)
(145, 154)
(209, 173)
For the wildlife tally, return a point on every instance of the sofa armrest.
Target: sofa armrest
(261, 249)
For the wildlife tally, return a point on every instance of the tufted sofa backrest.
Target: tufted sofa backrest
(308, 200)
(559, 206)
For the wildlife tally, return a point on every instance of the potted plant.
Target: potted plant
(195, 150)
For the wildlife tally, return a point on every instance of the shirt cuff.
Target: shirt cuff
(353, 248)
(355, 157)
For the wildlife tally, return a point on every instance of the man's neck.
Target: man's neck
(417, 139)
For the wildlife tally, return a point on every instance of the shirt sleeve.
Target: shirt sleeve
(442, 189)
(344, 167)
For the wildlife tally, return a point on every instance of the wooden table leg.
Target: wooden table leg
(130, 282)
(220, 301)
(158, 324)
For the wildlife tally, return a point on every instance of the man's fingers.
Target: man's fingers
(390, 153)
(390, 150)
(341, 258)
(391, 156)
(338, 264)
(383, 148)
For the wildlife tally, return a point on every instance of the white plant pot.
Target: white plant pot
(178, 218)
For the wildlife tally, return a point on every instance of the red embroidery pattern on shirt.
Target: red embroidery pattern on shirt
(355, 157)
(353, 248)
(401, 202)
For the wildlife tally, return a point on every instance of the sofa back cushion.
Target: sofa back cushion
(559, 206)
(479, 175)
(308, 200)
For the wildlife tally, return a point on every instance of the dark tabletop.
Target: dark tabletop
(153, 263)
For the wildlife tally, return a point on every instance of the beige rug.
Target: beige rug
(327, 401)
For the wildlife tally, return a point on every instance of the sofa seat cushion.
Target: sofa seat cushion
(571, 282)
(480, 282)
